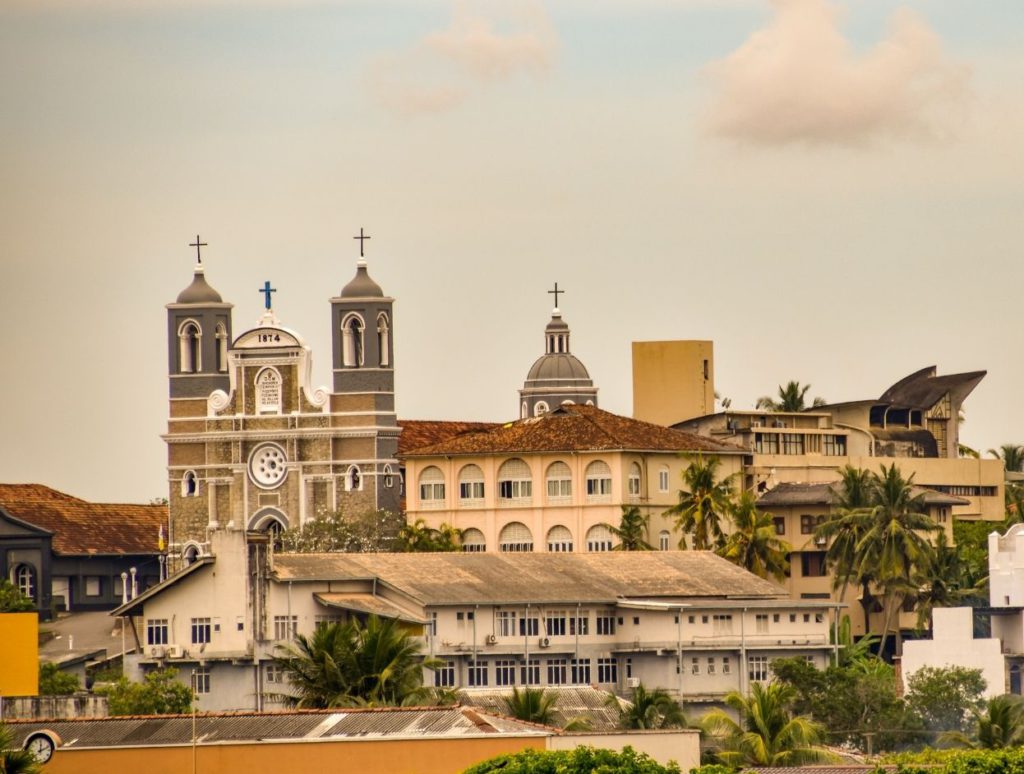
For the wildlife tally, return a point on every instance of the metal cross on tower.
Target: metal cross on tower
(556, 292)
(362, 240)
(197, 244)
(266, 290)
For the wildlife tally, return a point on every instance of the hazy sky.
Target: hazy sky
(831, 191)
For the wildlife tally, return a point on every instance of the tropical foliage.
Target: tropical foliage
(792, 397)
(53, 682)
(945, 698)
(632, 530)
(534, 705)
(767, 733)
(12, 600)
(581, 760)
(160, 693)
(12, 760)
(999, 724)
(649, 709)
(370, 532)
(703, 503)
(753, 543)
(419, 538)
(1012, 455)
(348, 664)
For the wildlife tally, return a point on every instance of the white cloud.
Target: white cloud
(799, 80)
(477, 48)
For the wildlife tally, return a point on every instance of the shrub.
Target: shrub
(582, 760)
(53, 682)
(159, 694)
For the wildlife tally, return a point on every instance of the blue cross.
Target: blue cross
(266, 290)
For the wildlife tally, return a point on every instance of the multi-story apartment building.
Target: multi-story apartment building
(689, 622)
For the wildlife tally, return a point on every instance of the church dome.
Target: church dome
(200, 291)
(559, 367)
(362, 286)
(557, 376)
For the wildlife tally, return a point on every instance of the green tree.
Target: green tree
(1012, 455)
(649, 709)
(851, 499)
(534, 705)
(940, 582)
(767, 733)
(53, 682)
(944, 698)
(13, 760)
(1000, 724)
(348, 664)
(12, 600)
(753, 543)
(791, 398)
(632, 530)
(419, 538)
(581, 760)
(703, 501)
(160, 693)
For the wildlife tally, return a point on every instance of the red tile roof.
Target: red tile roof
(417, 433)
(574, 428)
(80, 527)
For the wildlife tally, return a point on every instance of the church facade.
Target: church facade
(251, 443)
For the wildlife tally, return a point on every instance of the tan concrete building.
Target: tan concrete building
(673, 380)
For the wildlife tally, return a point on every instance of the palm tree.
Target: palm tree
(346, 664)
(702, 501)
(631, 531)
(842, 531)
(939, 581)
(649, 709)
(1000, 725)
(753, 542)
(1011, 454)
(1014, 502)
(792, 397)
(766, 733)
(534, 705)
(419, 538)
(13, 760)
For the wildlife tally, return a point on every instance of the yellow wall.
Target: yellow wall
(427, 756)
(19, 654)
(669, 381)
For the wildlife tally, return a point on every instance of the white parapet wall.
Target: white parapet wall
(681, 745)
(953, 644)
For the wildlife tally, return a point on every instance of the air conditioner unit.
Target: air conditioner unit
(157, 651)
(173, 651)
(492, 639)
(632, 682)
(545, 642)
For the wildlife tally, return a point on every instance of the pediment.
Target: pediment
(12, 527)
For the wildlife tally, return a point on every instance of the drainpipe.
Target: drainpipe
(743, 652)
(679, 649)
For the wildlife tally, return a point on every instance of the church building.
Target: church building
(251, 443)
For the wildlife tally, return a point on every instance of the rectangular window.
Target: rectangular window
(792, 617)
(506, 623)
(812, 564)
(580, 625)
(477, 673)
(200, 630)
(606, 624)
(722, 623)
(92, 586)
(758, 668)
(694, 666)
(471, 490)
(559, 488)
(810, 523)
(554, 623)
(504, 672)
(761, 622)
(285, 627)
(833, 445)
(629, 667)
(433, 491)
(766, 443)
(201, 680)
(581, 671)
(608, 670)
(599, 486)
(711, 665)
(529, 627)
(515, 490)
(792, 443)
(156, 631)
(274, 674)
(444, 675)
(321, 621)
(662, 480)
(726, 665)
(633, 487)
(432, 625)
(780, 524)
(557, 670)
(530, 671)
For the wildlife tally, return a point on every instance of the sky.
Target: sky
(830, 190)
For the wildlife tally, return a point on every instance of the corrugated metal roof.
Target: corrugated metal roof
(242, 727)
(571, 701)
(370, 604)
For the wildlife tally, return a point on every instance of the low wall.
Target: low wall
(74, 706)
(679, 745)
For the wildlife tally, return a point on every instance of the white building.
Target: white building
(686, 621)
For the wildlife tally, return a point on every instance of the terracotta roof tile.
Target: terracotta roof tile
(575, 428)
(80, 527)
(424, 432)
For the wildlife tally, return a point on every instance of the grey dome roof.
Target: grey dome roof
(560, 366)
(200, 291)
(362, 286)
(557, 323)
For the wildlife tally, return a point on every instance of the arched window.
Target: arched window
(599, 538)
(524, 412)
(559, 539)
(190, 554)
(383, 339)
(24, 577)
(559, 482)
(473, 541)
(515, 484)
(353, 479)
(540, 408)
(663, 478)
(189, 349)
(189, 484)
(268, 392)
(599, 481)
(389, 477)
(471, 485)
(221, 335)
(352, 341)
(664, 538)
(432, 488)
(515, 537)
(633, 483)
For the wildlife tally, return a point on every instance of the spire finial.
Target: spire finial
(556, 292)
(362, 242)
(197, 245)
